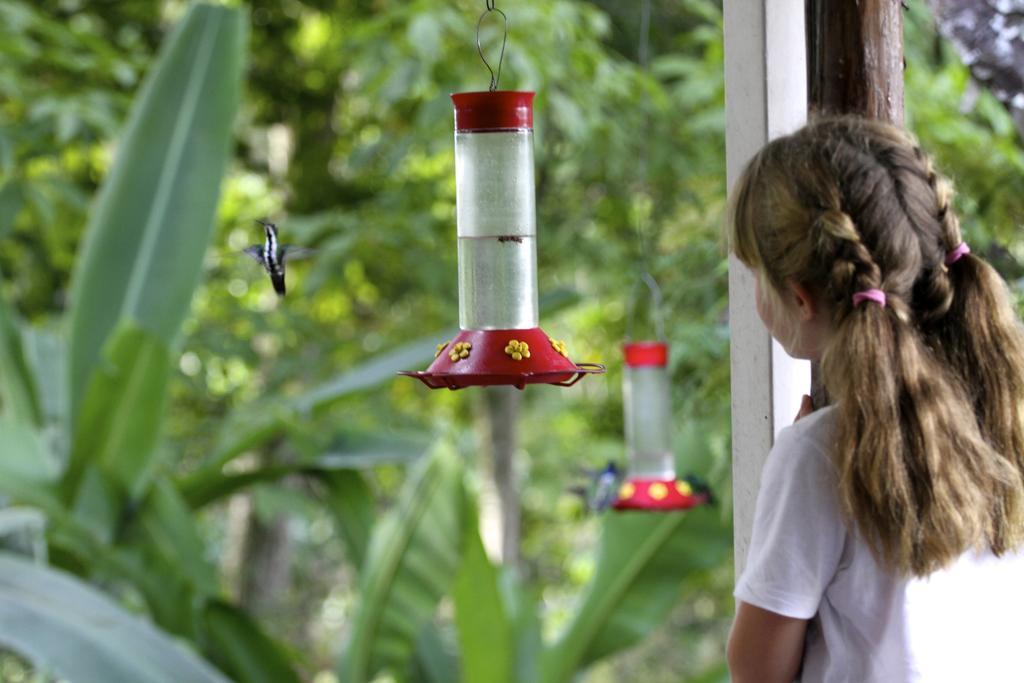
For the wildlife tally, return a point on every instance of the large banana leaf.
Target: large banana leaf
(413, 556)
(144, 244)
(66, 626)
(641, 563)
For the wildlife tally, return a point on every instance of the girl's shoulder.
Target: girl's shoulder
(807, 442)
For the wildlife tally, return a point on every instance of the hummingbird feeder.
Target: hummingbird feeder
(651, 483)
(500, 342)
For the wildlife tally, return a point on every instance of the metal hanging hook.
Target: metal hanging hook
(490, 4)
(656, 312)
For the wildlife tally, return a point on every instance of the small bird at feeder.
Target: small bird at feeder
(272, 255)
(602, 490)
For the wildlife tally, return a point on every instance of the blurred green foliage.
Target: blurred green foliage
(345, 139)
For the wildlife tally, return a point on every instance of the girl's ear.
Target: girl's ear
(801, 299)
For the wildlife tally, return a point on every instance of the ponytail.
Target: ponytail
(980, 336)
(983, 340)
(915, 475)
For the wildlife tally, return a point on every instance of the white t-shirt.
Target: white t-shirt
(963, 623)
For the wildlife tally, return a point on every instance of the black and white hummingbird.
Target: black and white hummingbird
(272, 255)
(602, 488)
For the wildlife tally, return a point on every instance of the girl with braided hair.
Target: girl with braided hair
(888, 529)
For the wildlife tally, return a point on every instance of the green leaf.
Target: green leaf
(521, 608)
(11, 201)
(165, 523)
(641, 563)
(350, 501)
(485, 635)
(240, 648)
(122, 410)
(436, 658)
(153, 218)
(413, 557)
(64, 625)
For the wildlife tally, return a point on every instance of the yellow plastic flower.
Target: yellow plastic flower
(459, 351)
(626, 491)
(440, 348)
(657, 491)
(684, 488)
(559, 347)
(518, 350)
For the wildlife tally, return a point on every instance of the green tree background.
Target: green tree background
(344, 137)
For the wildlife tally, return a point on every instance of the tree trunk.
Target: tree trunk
(854, 66)
(266, 571)
(259, 557)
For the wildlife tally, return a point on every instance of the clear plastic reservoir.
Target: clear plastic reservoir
(497, 229)
(648, 415)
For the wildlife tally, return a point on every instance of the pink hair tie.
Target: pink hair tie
(876, 295)
(955, 255)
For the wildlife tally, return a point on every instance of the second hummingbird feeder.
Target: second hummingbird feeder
(501, 341)
(651, 483)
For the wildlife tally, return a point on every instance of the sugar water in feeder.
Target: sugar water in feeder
(496, 217)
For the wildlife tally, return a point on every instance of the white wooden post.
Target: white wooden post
(765, 96)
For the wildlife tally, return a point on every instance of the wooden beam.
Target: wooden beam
(855, 58)
(765, 96)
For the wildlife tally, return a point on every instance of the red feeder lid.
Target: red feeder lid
(494, 357)
(646, 354)
(488, 111)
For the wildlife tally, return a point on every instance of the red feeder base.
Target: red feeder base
(502, 357)
(658, 494)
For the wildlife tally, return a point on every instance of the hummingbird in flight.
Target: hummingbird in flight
(272, 255)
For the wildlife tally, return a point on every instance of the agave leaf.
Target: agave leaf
(65, 625)
(641, 562)
(413, 556)
(28, 471)
(151, 223)
(17, 390)
(46, 357)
